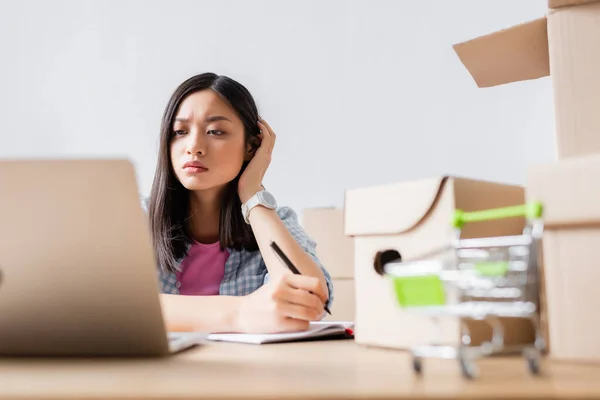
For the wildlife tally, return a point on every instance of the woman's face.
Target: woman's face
(209, 145)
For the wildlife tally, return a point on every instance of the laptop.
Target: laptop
(78, 274)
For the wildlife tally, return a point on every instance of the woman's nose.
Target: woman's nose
(196, 143)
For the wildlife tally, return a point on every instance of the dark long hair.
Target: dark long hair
(168, 206)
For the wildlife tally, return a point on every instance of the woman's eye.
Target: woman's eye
(180, 132)
(215, 132)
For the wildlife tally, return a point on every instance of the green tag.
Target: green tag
(415, 291)
(492, 268)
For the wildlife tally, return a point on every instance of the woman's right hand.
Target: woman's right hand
(284, 304)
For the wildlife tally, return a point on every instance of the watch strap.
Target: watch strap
(249, 205)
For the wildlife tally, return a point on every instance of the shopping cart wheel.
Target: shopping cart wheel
(533, 362)
(417, 365)
(532, 356)
(468, 368)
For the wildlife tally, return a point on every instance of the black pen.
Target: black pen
(289, 264)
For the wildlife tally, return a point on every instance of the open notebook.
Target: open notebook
(316, 330)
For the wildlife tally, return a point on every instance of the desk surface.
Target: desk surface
(329, 369)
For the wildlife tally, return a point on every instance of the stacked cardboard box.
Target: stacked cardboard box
(565, 45)
(336, 251)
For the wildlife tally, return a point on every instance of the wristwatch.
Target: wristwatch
(262, 198)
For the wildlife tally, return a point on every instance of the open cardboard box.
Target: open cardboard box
(414, 218)
(565, 44)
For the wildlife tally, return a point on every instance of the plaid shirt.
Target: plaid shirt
(246, 271)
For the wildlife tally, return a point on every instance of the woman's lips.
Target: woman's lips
(194, 167)
(195, 170)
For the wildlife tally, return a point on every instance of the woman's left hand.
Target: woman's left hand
(251, 180)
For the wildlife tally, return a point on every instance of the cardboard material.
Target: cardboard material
(334, 249)
(344, 301)
(567, 43)
(570, 247)
(514, 54)
(565, 3)
(574, 35)
(414, 219)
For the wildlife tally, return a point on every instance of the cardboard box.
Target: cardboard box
(335, 250)
(414, 218)
(566, 42)
(570, 251)
(343, 302)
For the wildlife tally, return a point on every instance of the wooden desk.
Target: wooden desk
(331, 369)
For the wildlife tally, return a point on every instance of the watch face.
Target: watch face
(269, 199)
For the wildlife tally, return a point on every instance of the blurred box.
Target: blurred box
(344, 301)
(414, 218)
(335, 250)
(571, 217)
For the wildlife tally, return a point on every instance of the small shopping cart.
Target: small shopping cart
(479, 279)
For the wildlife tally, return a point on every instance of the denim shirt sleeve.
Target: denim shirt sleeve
(290, 219)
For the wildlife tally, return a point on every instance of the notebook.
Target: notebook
(320, 330)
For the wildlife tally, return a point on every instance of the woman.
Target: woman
(212, 222)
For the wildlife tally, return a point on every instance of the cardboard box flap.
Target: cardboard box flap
(514, 54)
(565, 3)
(568, 191)
(390, 209)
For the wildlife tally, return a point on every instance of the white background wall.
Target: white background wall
(359, 92)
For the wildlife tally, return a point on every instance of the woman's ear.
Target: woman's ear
(249, 153)
(252, 146)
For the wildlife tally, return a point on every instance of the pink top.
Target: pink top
(202, 270)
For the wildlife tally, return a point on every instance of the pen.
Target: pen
(289, 264)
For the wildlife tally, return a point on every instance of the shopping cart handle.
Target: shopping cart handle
(531, 210)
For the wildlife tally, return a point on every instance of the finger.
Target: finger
(271, 133)
(266, 137)
(293, 325)
(296, 311)
(265, 129)
(302, 298)
(261, 137)
(265, 123)
(309, 283)
(273, 136)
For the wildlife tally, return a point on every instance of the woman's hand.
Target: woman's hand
(285, 304)
(251, 180)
